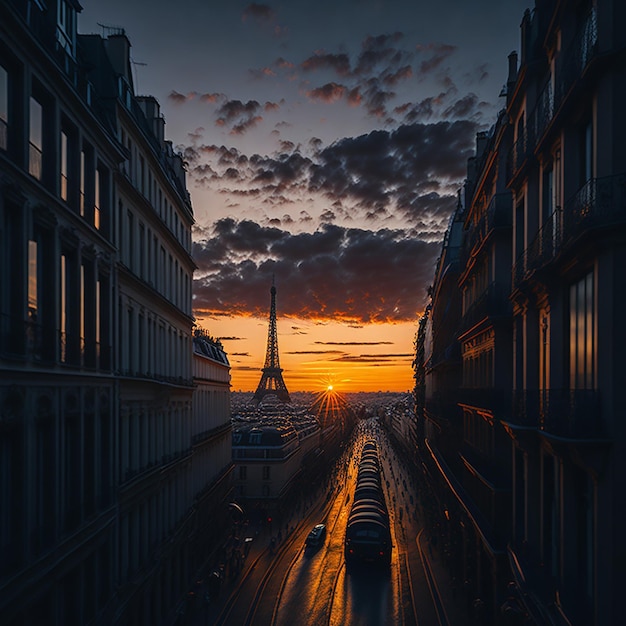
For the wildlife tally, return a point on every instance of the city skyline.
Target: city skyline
(325, 147)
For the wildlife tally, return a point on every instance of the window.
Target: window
(478, 361)
(587, 152)
(64, 165)
(266, 472)
(141, 180)
(63, 300)
(255, 438)
(519, 228)
(98, 317)
(65, 26)
(142, 250)
(97, 199)
(32, 281)
(4, 107)
(35, 139)
(82, 298)
(582, 334)
(243, 472)
(548, 193)
(82, 183)
(130, 252)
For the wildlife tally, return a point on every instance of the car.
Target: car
(316, 537)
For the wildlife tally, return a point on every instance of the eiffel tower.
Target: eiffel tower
(272, 382)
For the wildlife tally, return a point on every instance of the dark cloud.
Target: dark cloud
(365, 81)
(239, 116)
(380, 50)
(260, 12)
(262, 72)
(245, 125)
(330, 92)
(283, 63)
(271, 106)
(235, 109)
(265, 16)
(385, 165)
(212, 97)
(340, 63)
(335, 273)
(179, 98)
(394, 77)
(465, 107)
(410, 173)
(437, 53)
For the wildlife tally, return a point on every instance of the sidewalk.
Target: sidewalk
(447, 595)
(203, 605)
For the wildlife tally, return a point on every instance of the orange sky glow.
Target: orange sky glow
(316, 354)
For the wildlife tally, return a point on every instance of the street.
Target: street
(281, 583)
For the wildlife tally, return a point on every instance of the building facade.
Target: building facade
(211, 436)
(59, 391)
(270, 451)
(104, 465)
(566, 173)
(531, 468)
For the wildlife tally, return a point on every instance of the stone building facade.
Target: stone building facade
(104, 466)
(532, 462)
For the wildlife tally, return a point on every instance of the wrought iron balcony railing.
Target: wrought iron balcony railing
(568, 413)
(498, 401)
(599, 203)
(498, 214)
(570, 67)
(492, 302)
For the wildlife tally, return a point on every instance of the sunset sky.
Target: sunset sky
(325, 144)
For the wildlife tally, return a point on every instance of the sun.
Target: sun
(329, 388)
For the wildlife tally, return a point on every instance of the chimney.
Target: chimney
(481, 143)
(525, 35)
(118, 51)
(512, 68)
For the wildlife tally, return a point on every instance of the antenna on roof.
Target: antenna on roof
(135, 64)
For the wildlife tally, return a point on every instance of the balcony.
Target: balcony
(599, 204)
(442, 407)
(571, 413)
(493, 302)
(449, 355)
(571, 67)
(519, 154)
(563, 413)
(26, 340)
(498, 215)
(542, 250)
(496, 401)
(575, 59)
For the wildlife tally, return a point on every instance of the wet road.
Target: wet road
(293, 586)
